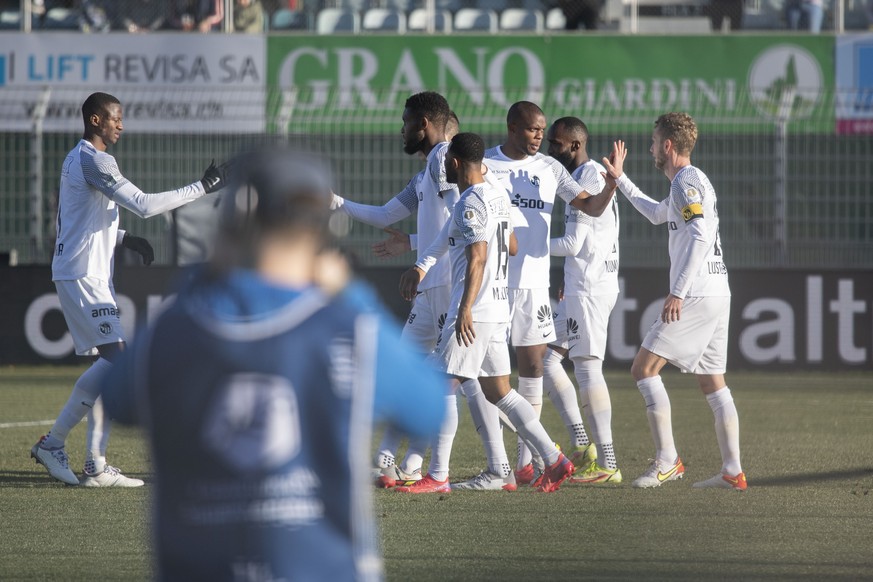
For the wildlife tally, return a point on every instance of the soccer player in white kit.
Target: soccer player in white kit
(473, 341)
(590, 246)
(533, 180)
(692, 330)
(431, 197)
(92, 188)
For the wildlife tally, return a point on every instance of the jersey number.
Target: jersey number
(502, 250)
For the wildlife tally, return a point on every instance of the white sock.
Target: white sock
(442, 447)
(414, 456)
(96, 439)
(522, 415)
(727, 429)
(561, 391)
(598, 406)
(487, 422)
(660, 422)
(85, 392)
(388, 448)
(531, 389)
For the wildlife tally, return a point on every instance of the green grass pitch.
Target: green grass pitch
(808, 514)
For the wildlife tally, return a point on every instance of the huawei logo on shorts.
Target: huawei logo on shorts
(441, 321)
(544, 313)
(572, 326)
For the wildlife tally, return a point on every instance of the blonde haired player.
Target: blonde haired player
(692, 330)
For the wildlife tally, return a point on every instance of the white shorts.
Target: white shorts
(697, 343)
(581, 323)
(487, 356)
(530, 315)
(427, 317)
(91, 312)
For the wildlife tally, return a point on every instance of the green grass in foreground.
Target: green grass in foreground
(808, 513)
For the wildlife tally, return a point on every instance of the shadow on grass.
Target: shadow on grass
(39, 478)
(794, 479)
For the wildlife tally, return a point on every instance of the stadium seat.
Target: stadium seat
(418, 21)
(10, 20)
(401, 5)
(475, 20)
(354, 5)
(555, 19)
(383, 20)
(337, 20)
(450, 5)
(540, 5)
(495, 5)
(285, 19)
(521, 19)
(61, 19)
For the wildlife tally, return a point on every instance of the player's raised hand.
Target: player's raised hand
(215, 177)
(139, 245)
(395, 245)
(614, 164)
(409, 283)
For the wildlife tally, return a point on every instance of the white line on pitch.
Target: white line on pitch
(27, 423)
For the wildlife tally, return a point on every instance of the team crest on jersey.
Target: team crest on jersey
(535, 181)
(105, 328)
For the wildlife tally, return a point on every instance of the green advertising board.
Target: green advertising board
(738, 83)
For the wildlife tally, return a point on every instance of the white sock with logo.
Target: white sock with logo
(561, 391)
(387, 448)
(727, 429)
(442, 446)
(85, 392)
(598, 407)
(658, 412)
(522, 415)
(531, 389)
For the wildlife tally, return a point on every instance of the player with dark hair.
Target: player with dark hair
(533, 180)
(590, 291)
(284, 367)
(431, 197)
(479, 240)
(92, 188)
(692, 331)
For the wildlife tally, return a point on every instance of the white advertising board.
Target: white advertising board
(177, 82)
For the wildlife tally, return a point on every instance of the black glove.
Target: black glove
(214, 178)
(139, 245)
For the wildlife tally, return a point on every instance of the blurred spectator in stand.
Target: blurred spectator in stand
(868, 12)
(138, 15)
(248, 16)
(584, 12)
(803, 13)
(202, 15)
(730, 9)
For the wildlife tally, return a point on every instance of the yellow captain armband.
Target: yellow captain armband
(692, 211)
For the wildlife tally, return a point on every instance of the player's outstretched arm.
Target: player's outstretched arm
(571, 243)
(146, 205)
(396, 209)
(654, 211)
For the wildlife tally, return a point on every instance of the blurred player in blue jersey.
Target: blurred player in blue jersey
(692, 330)
(259, 387)
(92, 188)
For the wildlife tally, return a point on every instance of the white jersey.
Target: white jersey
(432, 211)
(481, 215)
(532, 184)
(692, 216)
(91, 189)
(589, 243)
